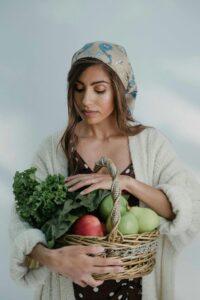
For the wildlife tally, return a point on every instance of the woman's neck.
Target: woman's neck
(102, 131)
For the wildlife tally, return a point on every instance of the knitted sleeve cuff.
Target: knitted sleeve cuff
(22, 246)
(181, 229)
(181, 206)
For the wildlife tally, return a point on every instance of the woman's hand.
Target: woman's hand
(74, 262)
(95, 181)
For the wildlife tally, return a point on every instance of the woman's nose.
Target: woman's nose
(87, 98)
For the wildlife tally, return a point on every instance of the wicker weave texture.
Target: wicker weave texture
(136, 251)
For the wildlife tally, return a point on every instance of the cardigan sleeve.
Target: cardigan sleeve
(23, 237)
(182, 190)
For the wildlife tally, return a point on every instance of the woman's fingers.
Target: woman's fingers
(78, 181)
(81, 283)
(93, 249)
(107, 261)
(77, 185)
(98, 260)
(89, 280)
(94, 181)
(107, 269)
(83, 261)
(82, 176)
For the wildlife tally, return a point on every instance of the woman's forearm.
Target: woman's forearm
(152, 197)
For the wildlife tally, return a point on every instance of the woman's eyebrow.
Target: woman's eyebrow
(95, 82)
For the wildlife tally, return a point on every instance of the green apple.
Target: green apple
(106, 206)
(127, 225)
(136, 210)
(148, 220)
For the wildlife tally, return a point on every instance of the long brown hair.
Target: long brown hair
(69, 139)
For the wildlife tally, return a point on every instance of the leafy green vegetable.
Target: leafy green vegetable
(37, 201)
(49, 206)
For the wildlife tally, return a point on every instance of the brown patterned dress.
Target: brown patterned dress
(126, 289)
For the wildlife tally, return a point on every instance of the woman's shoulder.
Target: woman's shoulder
(156, 134)
(50, 157)
(152, 137)
(149, 131)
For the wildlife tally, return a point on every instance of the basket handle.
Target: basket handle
(116, 193)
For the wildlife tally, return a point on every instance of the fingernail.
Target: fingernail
(121, 269)
(100, 282)
(118, 262)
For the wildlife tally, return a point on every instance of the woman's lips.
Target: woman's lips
(90, 113)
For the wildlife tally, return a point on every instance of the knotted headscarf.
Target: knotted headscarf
(114, 56)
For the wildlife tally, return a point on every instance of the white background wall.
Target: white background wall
(38, 39)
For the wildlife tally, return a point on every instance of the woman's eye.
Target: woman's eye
(100, 92)
(81, 90)
(78, 90)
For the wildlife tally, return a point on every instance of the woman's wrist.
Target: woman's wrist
(129, 184)
(42, 254)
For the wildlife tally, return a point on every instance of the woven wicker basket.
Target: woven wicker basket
(137, 251)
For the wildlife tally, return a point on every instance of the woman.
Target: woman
(101, 96)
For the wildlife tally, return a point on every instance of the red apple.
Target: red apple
(88, 225)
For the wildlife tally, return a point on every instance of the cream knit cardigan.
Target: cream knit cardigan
(155, 163)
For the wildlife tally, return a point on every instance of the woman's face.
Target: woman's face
(93, 95)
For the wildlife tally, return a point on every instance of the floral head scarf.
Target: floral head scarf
(114, 56)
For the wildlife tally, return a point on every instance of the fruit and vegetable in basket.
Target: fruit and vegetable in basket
(134, 219)
(49, 206)
(130, 223)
